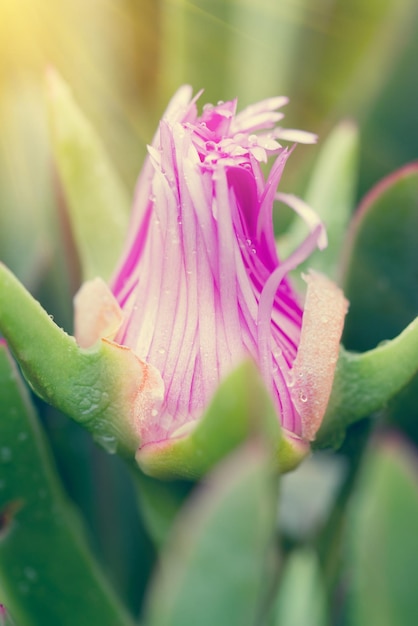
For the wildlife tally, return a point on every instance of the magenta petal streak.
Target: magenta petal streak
(200, 284)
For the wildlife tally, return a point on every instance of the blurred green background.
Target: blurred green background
(125, 58)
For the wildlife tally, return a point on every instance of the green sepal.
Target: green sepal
(382, 539)
(93, 386)
(217, 566)
(240, 407)
(47, 572)
(97, 202)
(365, 382)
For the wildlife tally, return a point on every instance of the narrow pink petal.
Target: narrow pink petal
(249, 118)
(304, 211)
(297, 136)
(279, 379)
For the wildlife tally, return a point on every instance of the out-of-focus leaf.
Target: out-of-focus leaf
(241, 406)
(47, 574)
(381, 279)
(330, 193)
(347, 77)
(382, 548)
(191, 33)
(381, 260)
(365, 382)
(97, 201)
(301, 596)
(159, 502)
(215, 567)
(25, 187)
(264, 47)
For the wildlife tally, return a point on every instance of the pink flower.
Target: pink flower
(200, 286)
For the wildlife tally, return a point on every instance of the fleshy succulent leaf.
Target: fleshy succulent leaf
(47, 573)
(97, 202)
(222, 543)
(382, 542)
(96, 387)
(365, 382)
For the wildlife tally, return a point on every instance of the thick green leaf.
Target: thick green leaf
(382, 545)
(97, 202)
(330, 193)
(95, 387)
(301, 596)
(47, 574)
(214, 569)
(365, 382)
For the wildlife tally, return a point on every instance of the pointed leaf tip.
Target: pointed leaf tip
(97, 202)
